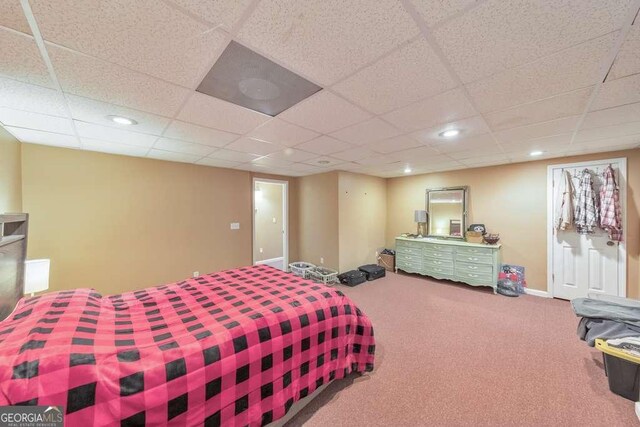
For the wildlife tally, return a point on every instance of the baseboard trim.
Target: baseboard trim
(638, 410)
(537, 293)
(267, 261)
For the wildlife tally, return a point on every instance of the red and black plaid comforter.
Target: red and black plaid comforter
(231, 348)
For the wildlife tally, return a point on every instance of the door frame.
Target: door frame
(622, 266)
(285, 218)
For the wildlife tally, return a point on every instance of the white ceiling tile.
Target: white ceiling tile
(92, 111)
(324, 145)
(178, 146)
(90, 77)
(407, 75)
(21, 59)
(23, 96)
(434, 11)
(199, 134)
(253, 146)
(25, 119)
(397, 143)
(614, 131)
(499, 35)
(367, 132)
(417, 155)
(468, 145)
(538, 130)
(293, 155)
(113, 148)
(105, 133)
(225, 13)
(485, 160)
(443, 108)
(215, 113)
(12, 16)
(613, 93)
(283, 133)
(470, 127)
(31, 136)
(307, 168)
(564, 71)
(354, 154)
(145, 35)
(273, 162)
(233, 156)
(375, 160)
(173, 157)
(549, 144)
(218, 163)
(628, 61)
(612, 116)
(324, 112)
(325, 162)
(567, 104)
(327, 39)
(621, 141)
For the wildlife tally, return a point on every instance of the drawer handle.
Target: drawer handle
(472, 275)
(471, 267)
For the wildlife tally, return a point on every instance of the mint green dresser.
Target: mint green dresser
(475, 264)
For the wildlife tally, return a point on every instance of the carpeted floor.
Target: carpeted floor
(455, 355)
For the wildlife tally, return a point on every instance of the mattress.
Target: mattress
(237, 347)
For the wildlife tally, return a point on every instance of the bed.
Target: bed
(237, 347)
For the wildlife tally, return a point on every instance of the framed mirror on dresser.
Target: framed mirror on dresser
(447, 212)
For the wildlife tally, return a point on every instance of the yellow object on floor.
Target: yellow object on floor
(605, 348)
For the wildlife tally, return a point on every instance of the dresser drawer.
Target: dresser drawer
(408, 244)
(448, 256)
(475, 278)
(474, 250)
(436, 262)
(474, 268)
(441, 272)
(409, 251)
(475, 259)
(438, 247)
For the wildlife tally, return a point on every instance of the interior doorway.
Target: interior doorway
(270, 223)
(580, 265)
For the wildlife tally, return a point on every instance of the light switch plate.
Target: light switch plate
(235, 226)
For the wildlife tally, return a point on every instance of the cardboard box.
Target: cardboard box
(387, 261)
(474, 237)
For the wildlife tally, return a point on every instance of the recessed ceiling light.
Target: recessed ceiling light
(536, 153)
(450, 133)
(407, 170)
(122, 120)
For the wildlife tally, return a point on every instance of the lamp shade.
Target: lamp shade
(420, 216)
(36, 275)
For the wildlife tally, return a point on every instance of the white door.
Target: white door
(270, 243)
(587, 264)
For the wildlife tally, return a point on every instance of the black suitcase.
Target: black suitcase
(352, 278)
(372, 271)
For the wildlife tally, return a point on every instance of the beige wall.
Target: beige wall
(362, 219)
(512, 200)
(119, 223)
(10, 173)
(268, 222)
(318, 212)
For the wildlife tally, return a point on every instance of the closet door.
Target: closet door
(587, 264)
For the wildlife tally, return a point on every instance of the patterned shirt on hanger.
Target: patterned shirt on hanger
(586, 217)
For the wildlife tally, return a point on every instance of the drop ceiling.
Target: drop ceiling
(557, 76)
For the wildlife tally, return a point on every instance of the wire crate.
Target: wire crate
(324, 275)
(301, 269)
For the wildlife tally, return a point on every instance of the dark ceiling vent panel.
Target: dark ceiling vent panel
(245, 78)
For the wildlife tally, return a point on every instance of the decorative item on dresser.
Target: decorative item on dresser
(475, 264)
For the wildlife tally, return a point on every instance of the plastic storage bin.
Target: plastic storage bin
(324, 275)
(301, 269)
(622, 370)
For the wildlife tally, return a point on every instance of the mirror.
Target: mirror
(447, 212)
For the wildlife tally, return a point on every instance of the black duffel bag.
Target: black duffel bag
(372, 271)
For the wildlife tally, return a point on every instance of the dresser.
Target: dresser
(475, 264)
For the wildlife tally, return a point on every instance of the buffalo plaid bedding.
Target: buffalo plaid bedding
(237, 347)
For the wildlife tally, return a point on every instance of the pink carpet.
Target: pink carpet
(455, 355)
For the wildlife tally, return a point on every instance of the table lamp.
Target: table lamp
(421, 218)
(36, 275)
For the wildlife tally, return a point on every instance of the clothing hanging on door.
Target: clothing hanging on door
(564, 203)
(610, 213)
(586, 216)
